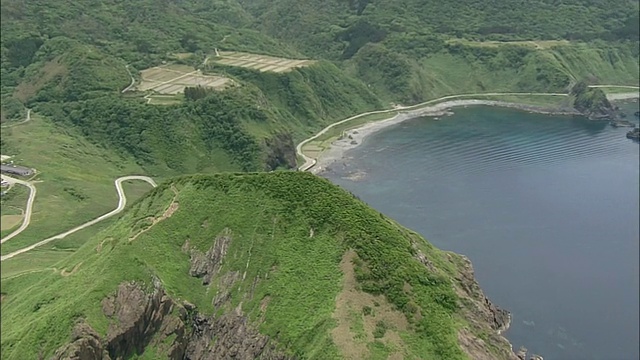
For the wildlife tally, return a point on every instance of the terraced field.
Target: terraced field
(258, 62)
(172, 79)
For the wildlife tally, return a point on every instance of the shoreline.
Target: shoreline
(354, 137)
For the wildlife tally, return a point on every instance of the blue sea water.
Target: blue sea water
(546, 207)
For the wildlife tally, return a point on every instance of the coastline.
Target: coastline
(356, 136)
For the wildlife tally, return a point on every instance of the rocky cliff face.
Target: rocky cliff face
(593, 103)
(144, 316)
(281, 152)
(152, 318)
(479, 311)
(140, 318)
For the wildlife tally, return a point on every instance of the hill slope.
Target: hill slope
(257, 264)
(384, 51)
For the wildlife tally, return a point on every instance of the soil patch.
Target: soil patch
(359, 313)
(10, 221)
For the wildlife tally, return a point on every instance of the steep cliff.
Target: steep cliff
(592, 102)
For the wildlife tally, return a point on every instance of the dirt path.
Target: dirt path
(133, 80)
(122, 202)
(21, 122)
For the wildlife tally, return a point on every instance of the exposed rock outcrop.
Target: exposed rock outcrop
(137, 319)
(621, 123)
(235, 339)
(205, 266)
(85, 344)
(479, 310)
(140, 319)
(281, 152)
(592, 102)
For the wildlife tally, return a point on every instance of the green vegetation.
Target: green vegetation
(72, 68)
(269, 218)
(69, 63)
(75, 178)
(12, 204)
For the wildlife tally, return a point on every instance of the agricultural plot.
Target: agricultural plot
(172, 79)
(259, 62)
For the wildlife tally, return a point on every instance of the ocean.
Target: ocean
(546, 207)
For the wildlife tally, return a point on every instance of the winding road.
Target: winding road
(311, 162)
(308, 164)
(122, 202)
(27, 211)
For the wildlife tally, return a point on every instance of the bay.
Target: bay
(546, 207)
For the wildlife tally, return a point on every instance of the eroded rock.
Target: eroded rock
(205, 266)
(85, 344)
(140, 319)
(234, 339)
(481, 311)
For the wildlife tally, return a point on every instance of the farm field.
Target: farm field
(258, 62)
(172, 79)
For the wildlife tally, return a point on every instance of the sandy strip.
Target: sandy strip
(623, 96)
(357, 135)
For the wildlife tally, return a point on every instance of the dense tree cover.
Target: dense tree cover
(237, 120)
(401, 51)
(472, 19)
(154, 134)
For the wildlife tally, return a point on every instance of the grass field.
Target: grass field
(172, 79)
(75, 180)
(12, 204)
(259, 62)
(45, 258)
(274, 224)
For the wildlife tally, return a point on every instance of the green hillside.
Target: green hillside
(288, 251)
(296, 242)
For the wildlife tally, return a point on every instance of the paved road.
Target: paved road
(310, 162)
(122, 202)
(27, 211)
(615, 86)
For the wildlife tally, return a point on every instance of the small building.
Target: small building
(16, 170)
